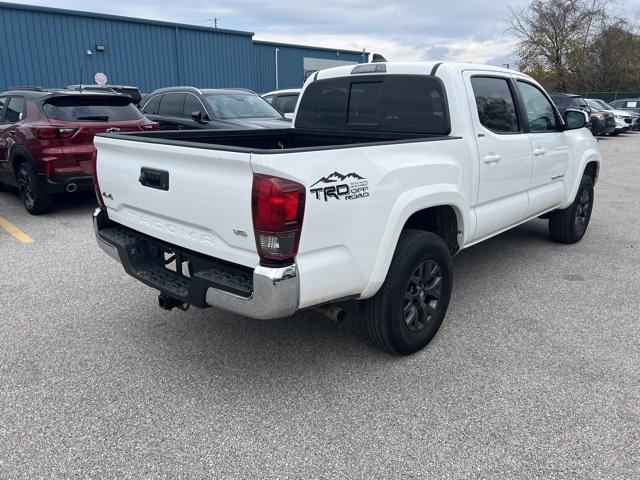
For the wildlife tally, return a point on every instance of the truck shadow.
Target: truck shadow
(308, 343)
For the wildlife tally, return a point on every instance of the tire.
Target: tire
(407, 311)
(569, 225)
(34, 199)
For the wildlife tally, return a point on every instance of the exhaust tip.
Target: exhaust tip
(333, 313)
(72, 187)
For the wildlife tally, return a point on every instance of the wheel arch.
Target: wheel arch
(428, 209)
(18, 155)
(589, 165)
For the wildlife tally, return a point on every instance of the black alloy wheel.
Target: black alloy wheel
(422, 296)
(25, 187)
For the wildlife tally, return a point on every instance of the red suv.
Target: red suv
(46, 139)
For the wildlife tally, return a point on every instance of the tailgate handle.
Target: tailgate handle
(158, 179)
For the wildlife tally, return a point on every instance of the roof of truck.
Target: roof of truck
(407, 68)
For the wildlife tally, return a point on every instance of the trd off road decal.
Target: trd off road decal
(341, 187)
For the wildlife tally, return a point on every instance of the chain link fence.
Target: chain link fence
(610, 96)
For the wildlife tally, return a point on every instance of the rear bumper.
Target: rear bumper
(262, 293)
(68, 182)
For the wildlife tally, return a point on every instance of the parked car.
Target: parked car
(627, 104)
(630, 117)
(602, 122)
(390, 170)
(180, 108)
(623, 119)
(566, 101)
(46, 139)
(133, 92)
(284, 100)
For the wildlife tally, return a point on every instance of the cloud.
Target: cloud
(466, 30)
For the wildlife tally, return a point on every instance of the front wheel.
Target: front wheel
(410, 306)
(570, 225)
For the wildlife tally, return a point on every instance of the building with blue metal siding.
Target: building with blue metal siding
(52, 47)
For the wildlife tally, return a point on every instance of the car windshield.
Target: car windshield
(605, 105)
(228, 106)
(91, 109)
(593, 104)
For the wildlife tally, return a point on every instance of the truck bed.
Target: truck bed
(273, 140)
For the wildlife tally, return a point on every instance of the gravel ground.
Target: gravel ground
(534, 374)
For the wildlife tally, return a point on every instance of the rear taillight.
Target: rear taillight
(96, 186)
(151, 126)
(53, 133)
(277, 205)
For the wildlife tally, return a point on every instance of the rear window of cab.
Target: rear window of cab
(76, 108)
(384, 103)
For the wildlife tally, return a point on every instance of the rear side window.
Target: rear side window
(76, 108)
(560, 100)
(192, 105)
(386, 103)
(578, 102)
(15, 110)
(171, 104)
(495, 104)
(286, 103)
(152, 106)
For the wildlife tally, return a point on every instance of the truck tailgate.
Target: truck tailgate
(204, 206)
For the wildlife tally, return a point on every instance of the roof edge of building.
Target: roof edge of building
(118, 18)
(293, 45)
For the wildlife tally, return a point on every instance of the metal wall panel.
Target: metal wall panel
(291, 71)
(48, 47)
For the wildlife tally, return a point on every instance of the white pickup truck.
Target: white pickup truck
(389, 170)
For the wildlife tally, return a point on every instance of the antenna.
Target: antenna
(80, 84)
(214, 21)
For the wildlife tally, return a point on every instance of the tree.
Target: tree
(613, 58)
(553, 37)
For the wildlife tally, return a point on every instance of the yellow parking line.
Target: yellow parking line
(15, 231)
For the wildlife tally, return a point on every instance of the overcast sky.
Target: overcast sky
(462, 30)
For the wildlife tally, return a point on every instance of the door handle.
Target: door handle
(492, 158)
(13, 132)
(538, 152)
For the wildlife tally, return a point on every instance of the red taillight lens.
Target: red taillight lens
(278, 209)
(96, 186)
(45, 133)
(151, 126)
(53, 133)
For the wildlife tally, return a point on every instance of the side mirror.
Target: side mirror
(197, 116)
(574, 119)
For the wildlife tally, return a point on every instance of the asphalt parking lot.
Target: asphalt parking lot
(534, 374)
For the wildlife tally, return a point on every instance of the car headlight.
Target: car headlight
(598, 116)
(618, 117)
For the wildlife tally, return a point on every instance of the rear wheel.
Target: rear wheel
(570, 225)
(34, 199)
(408, 310)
